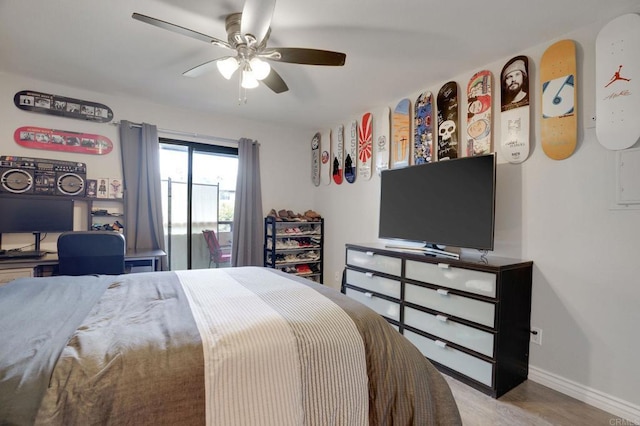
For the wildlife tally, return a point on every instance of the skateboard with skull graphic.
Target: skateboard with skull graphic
(382, 140)
(618, 82)
(351, 153)
(337, 146)
(423, 129)
(315, 159)
(365, 141)
(514, 101)
(400, 142)
(479, 113)
(448, 121)
(559, 125)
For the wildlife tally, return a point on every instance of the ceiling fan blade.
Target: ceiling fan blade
(274, 82)
(256, 18)
(180, 30)
(204, 68)
(303, 56)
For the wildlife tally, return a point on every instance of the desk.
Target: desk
(140, 260)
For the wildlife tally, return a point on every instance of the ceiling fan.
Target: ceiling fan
(247, 34)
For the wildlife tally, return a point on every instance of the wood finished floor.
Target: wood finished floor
(528, 404)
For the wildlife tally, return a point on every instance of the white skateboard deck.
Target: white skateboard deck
(365, 146)
(337, 147)
(618, 82)
(325, 158)
(515, 116)
(351, 153)
(381, 137)
(315, 159)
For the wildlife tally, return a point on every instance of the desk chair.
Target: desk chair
(91, 252)
(216, 254)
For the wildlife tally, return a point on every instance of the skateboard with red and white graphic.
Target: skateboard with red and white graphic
(62, 140)
(448, 121)
(351, 153)
(337, 146)
(365, 146)
(479, 114)
(618, 82)
(423, 129)
(401, 138)
(382, 140)
(315, 159)
(515, 115)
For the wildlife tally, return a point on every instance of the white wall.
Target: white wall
(556, 213)
(283, 151)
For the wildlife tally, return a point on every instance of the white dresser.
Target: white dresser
(470, 317)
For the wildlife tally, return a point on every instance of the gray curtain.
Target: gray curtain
(247, 218)
(142, 187)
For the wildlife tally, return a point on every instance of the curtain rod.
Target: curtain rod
(182, 133)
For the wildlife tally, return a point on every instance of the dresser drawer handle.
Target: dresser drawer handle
(443, 265)
(368, 294)
(369, 274)
(443, 292)
(370, 253)
(440, 343)
(441, 318)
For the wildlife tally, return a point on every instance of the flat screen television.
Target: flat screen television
(27, 214)
(445, 203)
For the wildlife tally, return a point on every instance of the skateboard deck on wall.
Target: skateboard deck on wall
(401, 134)
(448, 121)
(423, 129)
(480, 114)
(365, 146)
(325, 158)
(337, 144)
(62, 140)
(618, 82)
(315, 158)
(351, 153)
(381, 136)
(44, 103)
(514, 101)
(559, 125)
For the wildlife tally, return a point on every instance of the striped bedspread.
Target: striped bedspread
(235, 346)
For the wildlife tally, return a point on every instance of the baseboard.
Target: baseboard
(601, 400)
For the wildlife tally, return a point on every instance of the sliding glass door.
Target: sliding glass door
(198, 185)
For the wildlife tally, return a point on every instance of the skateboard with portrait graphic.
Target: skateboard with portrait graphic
(559, 125)
(448, 121)
(61, 106)
(618, 82)
(315, 158)
(381, 136)
(337, 147)
(479, 114)
(401, 134)
(423, 129)
(514, 106)
(351, 153)
(365, 146)
(325, 157)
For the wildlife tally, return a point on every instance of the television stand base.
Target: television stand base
(428, 249)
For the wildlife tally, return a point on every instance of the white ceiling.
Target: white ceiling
(392, 48)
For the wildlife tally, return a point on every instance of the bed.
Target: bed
(234, 346)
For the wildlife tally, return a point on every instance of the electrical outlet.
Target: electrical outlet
(536, 335)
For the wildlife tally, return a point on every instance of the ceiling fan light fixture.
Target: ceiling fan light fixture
(260, 68)
(249, 81)
(227, 67)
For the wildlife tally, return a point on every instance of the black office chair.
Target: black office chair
(91, 252)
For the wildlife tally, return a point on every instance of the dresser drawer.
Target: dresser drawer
(452, 304)
(470, 366)
(478, 282)
(463, 335)
(368, 281)
(374, 262)
(383, 307)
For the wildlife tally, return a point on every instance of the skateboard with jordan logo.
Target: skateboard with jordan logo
(337, 146)
(448, 121)
(400, 141)
(514, 104)
(479, 113)
(365, 148)
(423, 130)
(351, 153)
(618, 82)
(382, 140)
(559, 125)
(315, 158)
